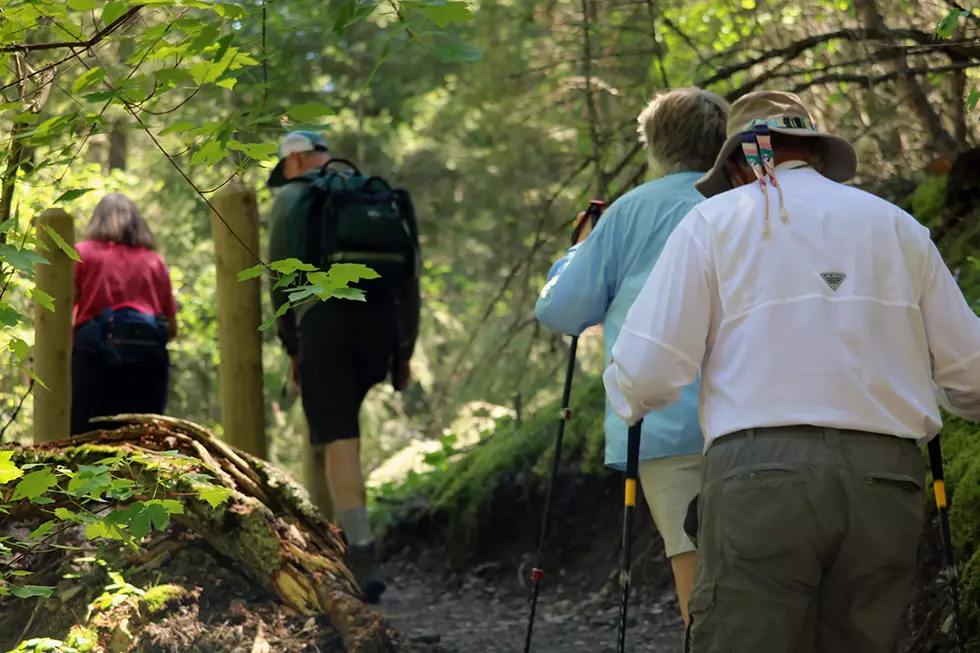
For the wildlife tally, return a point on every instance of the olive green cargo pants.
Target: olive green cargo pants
(808, 542)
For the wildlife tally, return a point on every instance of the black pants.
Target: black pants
(100, 388)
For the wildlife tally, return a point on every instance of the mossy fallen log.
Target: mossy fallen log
(268, 528)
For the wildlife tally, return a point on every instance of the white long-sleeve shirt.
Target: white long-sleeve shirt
(830, 320)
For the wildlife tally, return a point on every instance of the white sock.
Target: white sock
(356, 525)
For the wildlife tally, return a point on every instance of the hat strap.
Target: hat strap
(757, 147)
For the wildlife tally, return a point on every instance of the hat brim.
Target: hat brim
(840, 164)
(277, 177)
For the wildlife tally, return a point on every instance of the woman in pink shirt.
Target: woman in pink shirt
(124, 315)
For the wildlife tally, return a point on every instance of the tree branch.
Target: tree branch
(874, 80)
(109, 29)
(963, 49)
(944, 142)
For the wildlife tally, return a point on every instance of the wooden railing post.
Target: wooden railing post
(239, 319)
(53, 331)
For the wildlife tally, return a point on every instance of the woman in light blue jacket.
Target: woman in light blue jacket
(600, 276)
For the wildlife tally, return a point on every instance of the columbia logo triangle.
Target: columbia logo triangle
(833, 279)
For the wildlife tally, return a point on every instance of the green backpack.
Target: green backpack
(353, 218)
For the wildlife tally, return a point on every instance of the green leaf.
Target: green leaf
(230, 11)
(177, 127)
(443, 13)
(289, 265)
(102, 96)
(205, 38)
(8, 468)
(278, 314)
(34, 485)
(42, 530)
(355, 294)
(101, 529)
(83, 5)
(20, 349)
(9, 316)
(258, 151)
(308, 112)
(7, 225)
(347, 273)
(215, 495)
(172, 506)
(148, 515)
(459, 53)
(87, 79)
(287, 280)
(304, 293)
(171, 77)
(21, 572)
(972, 99)
(89, 483)
(351, 12)
(21, 259)
(60, 242)
(223, 44)
(65, 514)
(71, 196)
(209, 154)
(112, 11)
(42, 298)
(251, 273)
(947, 25)
(30, 591)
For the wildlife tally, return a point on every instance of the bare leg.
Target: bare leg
(683, 566)
(342, 465)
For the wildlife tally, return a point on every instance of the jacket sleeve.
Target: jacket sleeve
(953, 334)
(582, 283)
(282, 245)
(664, 339)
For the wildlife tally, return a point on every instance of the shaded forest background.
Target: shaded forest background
(501, 118)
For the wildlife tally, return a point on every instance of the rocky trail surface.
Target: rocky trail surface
(486, 611)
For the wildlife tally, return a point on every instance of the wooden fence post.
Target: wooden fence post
(239, 318)
(52, 331)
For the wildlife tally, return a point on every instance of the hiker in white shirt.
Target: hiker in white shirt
(813, 311)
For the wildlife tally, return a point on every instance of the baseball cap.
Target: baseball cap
(293, 142)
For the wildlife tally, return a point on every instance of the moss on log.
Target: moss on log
(268, 528)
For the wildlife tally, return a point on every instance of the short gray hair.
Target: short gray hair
(684, 129)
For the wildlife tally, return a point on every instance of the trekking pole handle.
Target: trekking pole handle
(592, 214)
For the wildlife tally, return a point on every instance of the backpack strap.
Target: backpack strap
(315, 211)
(347, 163)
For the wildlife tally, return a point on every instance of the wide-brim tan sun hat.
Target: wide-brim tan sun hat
(784, 113)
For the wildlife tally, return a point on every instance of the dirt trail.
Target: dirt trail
(487, 613)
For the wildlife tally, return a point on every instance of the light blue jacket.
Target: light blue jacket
(598, 280)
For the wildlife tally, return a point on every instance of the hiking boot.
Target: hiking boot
(364, 564)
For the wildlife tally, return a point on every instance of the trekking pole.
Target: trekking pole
(632, 471)
(593, 213)
(939, 489)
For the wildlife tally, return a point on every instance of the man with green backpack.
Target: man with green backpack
(327, 212)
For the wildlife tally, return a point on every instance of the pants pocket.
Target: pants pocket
(892, 506)
(765, 511)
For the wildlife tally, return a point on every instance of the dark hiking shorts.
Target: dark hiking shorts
(346, 348)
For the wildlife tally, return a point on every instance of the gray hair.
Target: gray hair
(683, 130)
